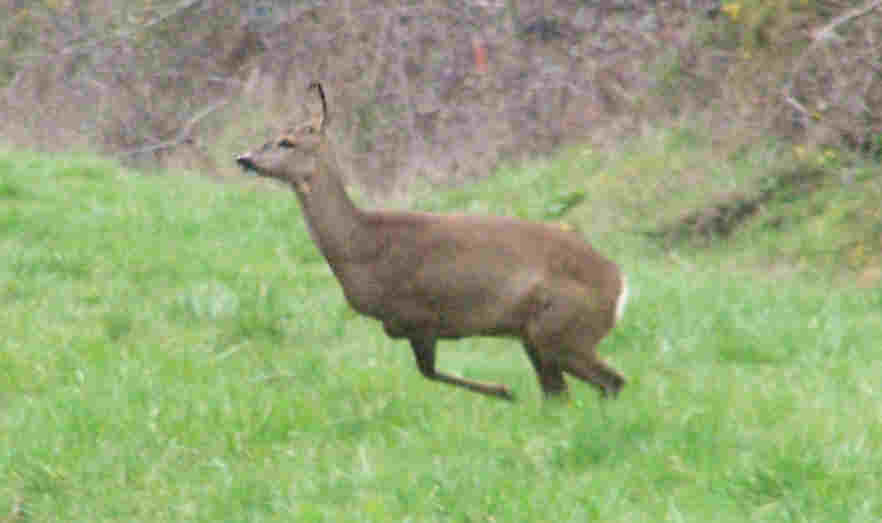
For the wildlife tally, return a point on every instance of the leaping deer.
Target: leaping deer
(447, 276)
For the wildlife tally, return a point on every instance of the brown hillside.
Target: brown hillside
(440, 89)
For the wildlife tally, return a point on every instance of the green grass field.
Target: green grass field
(173, 349)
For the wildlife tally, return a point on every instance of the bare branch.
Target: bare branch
(183, 6)
(792, 102)
(818, 38)
(182, 136)
(828, 31)
(122, 34)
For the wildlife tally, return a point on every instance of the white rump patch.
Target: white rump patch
(622, 300)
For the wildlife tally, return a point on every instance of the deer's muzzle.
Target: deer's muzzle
(246, 162)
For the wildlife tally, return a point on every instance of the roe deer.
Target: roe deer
(431, 276)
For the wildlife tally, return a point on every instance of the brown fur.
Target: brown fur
(430, 276)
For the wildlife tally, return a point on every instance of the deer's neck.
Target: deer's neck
(335, 223)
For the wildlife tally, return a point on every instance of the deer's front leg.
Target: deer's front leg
(424, 350)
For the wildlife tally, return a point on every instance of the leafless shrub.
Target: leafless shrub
(807, 72)
(129, 80)
(441, 89)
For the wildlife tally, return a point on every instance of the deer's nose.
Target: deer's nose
(246, 162)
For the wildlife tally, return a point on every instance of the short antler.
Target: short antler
(321, 92)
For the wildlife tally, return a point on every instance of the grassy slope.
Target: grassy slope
(175, 350)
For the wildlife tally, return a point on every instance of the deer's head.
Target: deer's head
(293, 156)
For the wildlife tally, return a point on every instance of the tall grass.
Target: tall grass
(176, 350)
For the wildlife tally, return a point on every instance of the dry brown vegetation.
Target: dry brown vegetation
(805, 70)
(441, 90)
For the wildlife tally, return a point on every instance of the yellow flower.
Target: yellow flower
(732, 10)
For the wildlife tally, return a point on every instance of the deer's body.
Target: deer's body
(459, 275)
(431, 276)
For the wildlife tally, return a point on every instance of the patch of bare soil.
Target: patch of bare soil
(726, 212)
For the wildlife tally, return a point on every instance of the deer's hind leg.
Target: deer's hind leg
(567, 333)
(597, 373)
(580, 358)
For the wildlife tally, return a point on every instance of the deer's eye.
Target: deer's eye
(286, 143)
